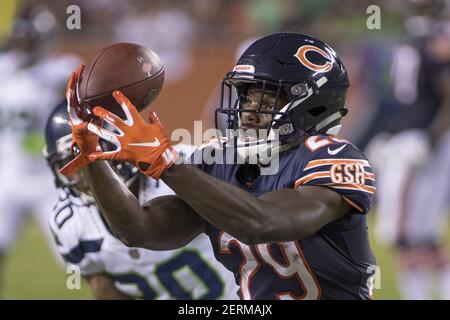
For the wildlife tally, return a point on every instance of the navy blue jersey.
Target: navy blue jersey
(334, 263)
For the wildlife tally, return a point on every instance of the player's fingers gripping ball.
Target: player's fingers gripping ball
(83, 141)
(144, 145)
(139, 72)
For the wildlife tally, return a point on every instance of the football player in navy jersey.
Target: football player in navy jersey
(297, 233)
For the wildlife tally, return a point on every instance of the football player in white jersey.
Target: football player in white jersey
(411, 155)
(113, 270)
(26, 185)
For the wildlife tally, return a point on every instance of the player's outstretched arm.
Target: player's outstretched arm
(281, 215)
(164, 223)
(278, 216)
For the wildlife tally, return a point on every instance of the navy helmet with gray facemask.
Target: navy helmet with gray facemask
(296, 68)
(57, 151)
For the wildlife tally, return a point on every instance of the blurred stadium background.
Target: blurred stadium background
(197, 41)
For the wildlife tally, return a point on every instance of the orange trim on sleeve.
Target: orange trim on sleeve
(312, 176)
(325, 174)
(324, 162)
(354, 186)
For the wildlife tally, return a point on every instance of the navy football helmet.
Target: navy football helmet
(296, 68)
(57, 151)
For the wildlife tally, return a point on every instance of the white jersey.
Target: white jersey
(27, 97)
(191, 272)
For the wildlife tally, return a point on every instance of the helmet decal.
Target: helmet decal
(245, 68)
(301, 56)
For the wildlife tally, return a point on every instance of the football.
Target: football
(133, 69)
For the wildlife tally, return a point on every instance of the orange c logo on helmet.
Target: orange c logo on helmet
(301, 56)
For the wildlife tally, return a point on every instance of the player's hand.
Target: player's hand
(144, 145)
(83, 141)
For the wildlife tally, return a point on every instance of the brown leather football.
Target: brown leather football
(133, 69)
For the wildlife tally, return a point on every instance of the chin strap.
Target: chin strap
(328, 120)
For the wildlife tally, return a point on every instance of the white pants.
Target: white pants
(413, 187)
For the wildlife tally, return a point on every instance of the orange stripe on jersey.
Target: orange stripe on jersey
(325, 162)
(323, 174)
(311, 176)
(353, 186)
(353, 204)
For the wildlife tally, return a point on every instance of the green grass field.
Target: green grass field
(32, 272)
